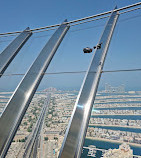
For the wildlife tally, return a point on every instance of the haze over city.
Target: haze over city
(70, 75)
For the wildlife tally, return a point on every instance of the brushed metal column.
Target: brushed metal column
(19, 102)
(12, 49)
(76, 131)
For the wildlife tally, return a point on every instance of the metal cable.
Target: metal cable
(82, 19)
(130, 10)
(76, 72)
(126, 70)
(51, 73)
(123, 20)
(91, 20)
(108, 12)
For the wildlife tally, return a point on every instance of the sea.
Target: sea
(99, 144)
(104, 145)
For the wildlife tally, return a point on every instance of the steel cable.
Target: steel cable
(81, 19)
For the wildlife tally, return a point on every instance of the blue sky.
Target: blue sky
(124, 51)
(17, 14)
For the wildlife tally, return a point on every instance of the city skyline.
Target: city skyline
(100, 90)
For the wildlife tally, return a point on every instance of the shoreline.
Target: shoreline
(134, 127)
(113, 141)
(115, 115)
(116, 107)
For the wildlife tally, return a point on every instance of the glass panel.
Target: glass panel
(23, 94)
(12, 49)
(115, 123)
(115, 116)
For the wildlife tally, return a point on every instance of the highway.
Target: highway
(33, 140)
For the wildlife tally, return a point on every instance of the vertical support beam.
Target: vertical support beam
(76, 131)
(19, 102)
(12, 49)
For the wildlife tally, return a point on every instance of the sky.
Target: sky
(124, 51)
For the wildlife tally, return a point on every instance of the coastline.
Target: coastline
(134, 127)
(117, 107)
(115, 115)
(113, 141)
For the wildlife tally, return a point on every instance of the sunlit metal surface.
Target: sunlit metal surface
(18, 103)
(12, 49)
(76, 131)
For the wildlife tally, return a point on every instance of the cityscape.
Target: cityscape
(115, 119)
(70, 75)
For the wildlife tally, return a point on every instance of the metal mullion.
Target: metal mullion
(76, 131)
(12, 49)
(19, 102)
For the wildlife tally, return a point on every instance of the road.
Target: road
(33, 140)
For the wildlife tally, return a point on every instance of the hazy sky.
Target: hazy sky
(124, 51)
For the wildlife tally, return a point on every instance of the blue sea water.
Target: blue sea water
(128, 117)
(116, 102)
(108, 145)
(136, 130)
(105, 145)
(120, 108)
